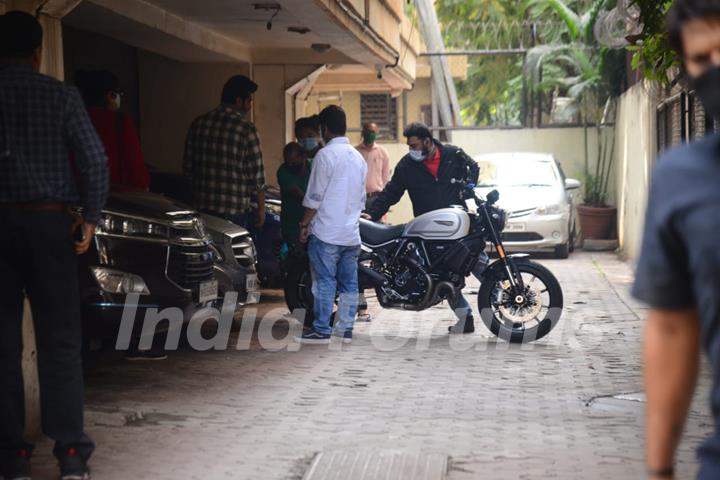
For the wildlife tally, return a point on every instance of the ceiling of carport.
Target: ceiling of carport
(239, 20)
(95, 18)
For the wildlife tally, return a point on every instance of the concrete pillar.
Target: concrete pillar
(30, 376)
(52, 53)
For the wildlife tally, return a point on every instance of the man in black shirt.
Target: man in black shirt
(678, 274)
(431, 173)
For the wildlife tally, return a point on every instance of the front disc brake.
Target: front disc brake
(515, 312)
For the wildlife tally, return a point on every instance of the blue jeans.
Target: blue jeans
(461, 308)
(334, 270)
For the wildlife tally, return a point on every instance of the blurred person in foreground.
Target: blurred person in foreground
(42, 123)
(678, 273)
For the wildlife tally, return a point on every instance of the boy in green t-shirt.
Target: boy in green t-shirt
(292, 176)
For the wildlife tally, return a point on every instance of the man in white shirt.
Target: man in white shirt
(334, 200)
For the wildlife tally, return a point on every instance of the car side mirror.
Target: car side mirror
(571, 184)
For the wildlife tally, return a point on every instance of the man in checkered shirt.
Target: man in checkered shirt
(42, 122)
(223, 159)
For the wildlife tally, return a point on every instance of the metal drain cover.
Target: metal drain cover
(377, 465)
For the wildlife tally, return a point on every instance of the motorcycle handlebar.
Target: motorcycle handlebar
(469, 190)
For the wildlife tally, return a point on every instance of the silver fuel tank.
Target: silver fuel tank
(443, 224)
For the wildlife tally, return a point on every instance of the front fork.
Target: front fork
(514, 277)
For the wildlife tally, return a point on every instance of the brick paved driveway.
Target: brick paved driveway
(498, 411)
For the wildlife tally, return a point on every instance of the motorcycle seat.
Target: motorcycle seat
(376, 233)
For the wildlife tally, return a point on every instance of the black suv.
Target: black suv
(160, 249)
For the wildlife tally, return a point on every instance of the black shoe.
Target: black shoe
(73, 466)
(16, 467)
(468, 326)
(154, 354)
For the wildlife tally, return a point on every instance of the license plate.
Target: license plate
(515, 227)
(208, 291)
(251, 283)
(252, 297)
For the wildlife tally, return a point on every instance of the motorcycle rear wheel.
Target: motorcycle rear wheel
(526, 321)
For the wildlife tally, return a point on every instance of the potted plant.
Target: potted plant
(586, 78)
(596, 217)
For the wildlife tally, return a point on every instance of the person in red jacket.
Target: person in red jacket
(102, 95)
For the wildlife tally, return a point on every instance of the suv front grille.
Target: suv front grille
(243, 250)
(190, 266)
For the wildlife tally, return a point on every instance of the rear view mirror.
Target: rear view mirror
(492, 197)
(571, 184)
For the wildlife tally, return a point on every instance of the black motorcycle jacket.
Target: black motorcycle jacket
(427, 193)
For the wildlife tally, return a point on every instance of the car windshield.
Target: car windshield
(517, 173)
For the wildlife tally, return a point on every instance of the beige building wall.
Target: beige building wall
(270, 110)
(635, 153)
(172, 95)
(566, 144)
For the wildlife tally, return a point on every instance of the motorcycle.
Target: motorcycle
(418, 265)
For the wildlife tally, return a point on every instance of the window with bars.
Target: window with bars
(380, 109)
(681, 118)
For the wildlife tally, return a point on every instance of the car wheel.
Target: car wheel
(563, 251)
(573, 238)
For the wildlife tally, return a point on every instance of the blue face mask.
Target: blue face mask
(310, 144)
(417, 155)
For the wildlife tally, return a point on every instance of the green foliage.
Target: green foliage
(652, 53)
(585, 73)
(485, 97)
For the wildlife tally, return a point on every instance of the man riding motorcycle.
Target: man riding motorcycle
(432, 174)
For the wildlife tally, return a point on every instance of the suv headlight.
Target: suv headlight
(114, 224)
(115, 281)
(273, 207)
(550, 210)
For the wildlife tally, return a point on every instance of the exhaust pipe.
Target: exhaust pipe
(440, 290)
(377, 278)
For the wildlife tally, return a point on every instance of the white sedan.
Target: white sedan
(537, 198)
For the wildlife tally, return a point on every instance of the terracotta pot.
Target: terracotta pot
(596, 223)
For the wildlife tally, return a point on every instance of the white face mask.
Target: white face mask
(417, 155)
(310, 144)
(116, 101)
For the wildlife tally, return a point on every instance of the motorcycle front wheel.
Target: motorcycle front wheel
(521, 316)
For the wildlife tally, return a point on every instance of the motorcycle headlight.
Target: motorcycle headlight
(115, 281)
(549, 210)
(114, 224)
(499, 219)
